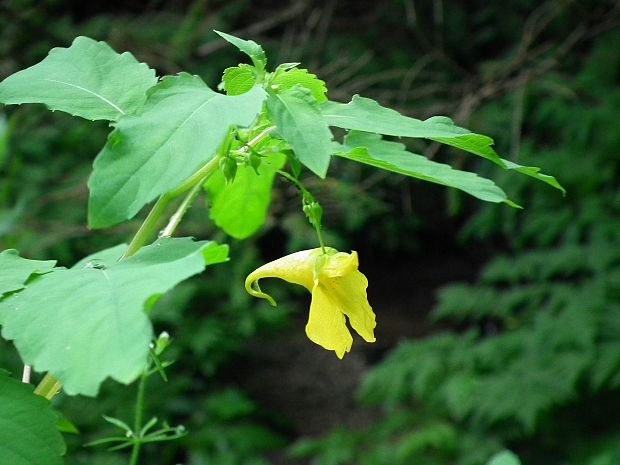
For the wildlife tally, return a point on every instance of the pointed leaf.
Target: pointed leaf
(15, 270)
(88, 79)
(181, 127)
(299, 121)
(364, 114)
(28, 432)
(64, 425)
(249, 47)
(535, 173)
(239, 79)
(88, 322)
(240, 208)
(285, 80)
(371, 150)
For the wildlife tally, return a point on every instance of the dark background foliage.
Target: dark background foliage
(521, 350)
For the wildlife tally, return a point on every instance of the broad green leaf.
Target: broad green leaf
(299, 121)
(88, 79)
(285, 80)
(239, 79)
(364, 114)
(87, 323)
(28, 432)
(249, 47)
(240, 208)
(15, 270)
(181, 127)
(371, 150)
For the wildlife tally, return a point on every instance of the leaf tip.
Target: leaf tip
(513, 204)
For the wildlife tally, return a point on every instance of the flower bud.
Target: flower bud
(254, 160)
(228, 167)
(314, 212)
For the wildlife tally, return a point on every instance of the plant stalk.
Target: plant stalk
(319, 234)
(176, 218)
(149, 227)
(137, 422)
(316, 223)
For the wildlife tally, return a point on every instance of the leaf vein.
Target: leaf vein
(112, 104)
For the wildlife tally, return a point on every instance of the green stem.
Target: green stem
(306, 197)
(255, 141)
(317, 228)
(197, 178)
(176, 218)
(149, 227)
(293, 179)
(137, 422)
(260, 137)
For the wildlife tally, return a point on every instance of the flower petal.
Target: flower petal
(296, 268)
(326, 324)
(340, 264)
(349, 292)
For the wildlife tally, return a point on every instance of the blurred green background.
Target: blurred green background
(497, 328)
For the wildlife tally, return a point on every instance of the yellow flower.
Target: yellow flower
(337, 288)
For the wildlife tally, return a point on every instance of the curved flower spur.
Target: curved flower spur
(338, 288)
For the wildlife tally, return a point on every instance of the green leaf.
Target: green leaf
(88, 79)
(285, 80)
(28, 433)
(371, 150)
(299, 121)
(239, 79)
(181, 127)
(504, 457)
(364, 114)
(64, 425)
(15, 271)
(249, 47)
(240, 207)
(88, 322)
(534, 172)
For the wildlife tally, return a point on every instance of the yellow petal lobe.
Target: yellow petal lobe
(349, 292)
(327, 327)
